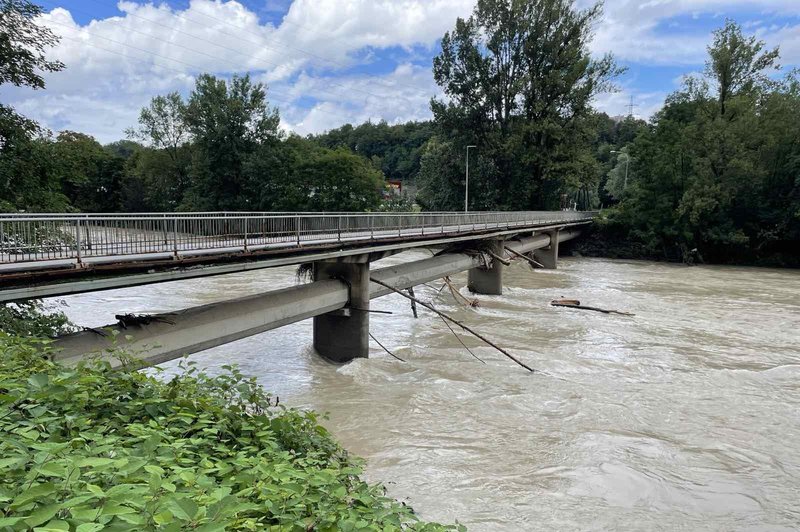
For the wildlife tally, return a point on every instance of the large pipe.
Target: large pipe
(171, 335)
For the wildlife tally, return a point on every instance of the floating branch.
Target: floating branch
(384, 348)
(461, 341)
(574, 303)
(413, 303)
(443, 315)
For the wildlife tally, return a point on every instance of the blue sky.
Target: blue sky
(328, 62)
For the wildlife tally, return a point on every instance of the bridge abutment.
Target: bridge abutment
(488, 281)
(343, 334)
(548, 257)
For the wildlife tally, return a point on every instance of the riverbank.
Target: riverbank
(611, 240)
(89, 449)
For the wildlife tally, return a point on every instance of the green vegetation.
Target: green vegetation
(88, 449)
(519, 82)
(714, 176)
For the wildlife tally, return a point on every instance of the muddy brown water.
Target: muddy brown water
(683, 417)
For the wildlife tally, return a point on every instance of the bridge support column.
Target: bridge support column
(488, 281)
(343, 334)
(548, 257)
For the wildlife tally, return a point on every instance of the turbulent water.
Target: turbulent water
(683, 417)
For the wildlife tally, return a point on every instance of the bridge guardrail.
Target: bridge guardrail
(32, 237)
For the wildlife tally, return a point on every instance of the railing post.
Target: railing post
(88, 236)
(166, 230)
(339, 228)
(371, 227)
(297, 227)
(245, 234)
(78, 240)
(175, 236)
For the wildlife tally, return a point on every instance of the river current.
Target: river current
(685, 416)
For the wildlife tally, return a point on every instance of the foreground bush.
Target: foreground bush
(88, 448)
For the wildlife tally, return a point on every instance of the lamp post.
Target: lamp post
(466, 191)
(627, 164)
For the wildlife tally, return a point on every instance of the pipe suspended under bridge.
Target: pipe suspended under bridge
(338, 300)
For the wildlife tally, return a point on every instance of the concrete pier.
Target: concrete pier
(548, 257)
(488, 281)
(343, 334)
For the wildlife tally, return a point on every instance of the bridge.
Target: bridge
(46, 255)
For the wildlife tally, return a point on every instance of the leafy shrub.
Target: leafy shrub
(89, 448)
(33, 318)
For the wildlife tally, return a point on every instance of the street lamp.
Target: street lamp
(466, 192)
(627, 164)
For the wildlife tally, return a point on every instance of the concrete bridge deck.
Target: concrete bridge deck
(48, 255)
(45, 255)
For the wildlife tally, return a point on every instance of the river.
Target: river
(685, 416)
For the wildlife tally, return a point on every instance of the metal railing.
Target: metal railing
(26, 238)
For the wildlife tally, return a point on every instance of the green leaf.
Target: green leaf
(89, 527)
(39, 380)
(35, 493)
(54, 526)
(184, 509)
(42, 514)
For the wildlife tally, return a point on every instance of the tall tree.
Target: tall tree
(26, 177)
(23, 44)
(228, 121)
(519, 80)
(738, 64)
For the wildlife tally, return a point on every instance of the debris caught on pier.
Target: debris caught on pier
(452, 320)
(128, 320)
(305, 272)
(458, 296)
(530, 260)
(574, 303)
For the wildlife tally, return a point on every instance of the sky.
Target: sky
(331, 62)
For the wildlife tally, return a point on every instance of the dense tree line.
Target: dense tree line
(713, 176)
(219, 149)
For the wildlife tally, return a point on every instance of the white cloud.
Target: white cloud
(631, 29)
(115, 65)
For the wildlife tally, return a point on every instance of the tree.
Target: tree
(716, 172)
(22, 45)
(519, 81)
(162, 124)
(228, 121)
(738, 64)
(26, 181)
(89, 174)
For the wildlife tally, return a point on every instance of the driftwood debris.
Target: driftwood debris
(519, 255)
(384, 348)
(574, 303)
(458, 296)
(498, 258)
(452, 320)
(413, 303)
(130, 320)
